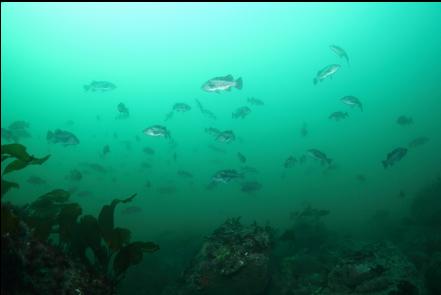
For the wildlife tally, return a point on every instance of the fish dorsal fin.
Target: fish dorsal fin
(228, 78)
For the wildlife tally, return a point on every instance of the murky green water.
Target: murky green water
(161, 54)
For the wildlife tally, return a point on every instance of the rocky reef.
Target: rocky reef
(233, 260)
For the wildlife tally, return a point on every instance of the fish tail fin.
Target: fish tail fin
(361, 107)
(329, 161)
(347, 60)
(86, 87)
(384, 164)
(239, 83)
(315, 81)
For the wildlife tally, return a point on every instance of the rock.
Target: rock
(234, 260)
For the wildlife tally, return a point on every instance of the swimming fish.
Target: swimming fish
(326, 72)
(225, 83)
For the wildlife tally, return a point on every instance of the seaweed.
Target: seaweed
(22, 160)
(52, 215)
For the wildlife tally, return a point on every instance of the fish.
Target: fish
(361, 177)
(241, 157)
(8, 135)
(205, 111)
(340, 52)
(310, 212)
(352, 101)
(36, 180)
(131, 210)
(74, 175)
(184, 174)
(290, 162)
(106, 149)
(394, 156)
(337, 116)
(326, 72)
(212, 131)
(250, 186)
(18, 125)
(315, 153)
(181, 107)
(226, 176)
(241, 112)
(99, 86)
(419, 141)
(157, 131)
(148, 151)
(16, 131)
(123, 111)
(219, 84)
(304, 130)
(226, 136)
(255, 101)
(404, 120)
(63, 137)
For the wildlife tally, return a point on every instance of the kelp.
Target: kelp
(132, 255)
(7, 185)
(100, 235)
(22, 159)
(105, 218)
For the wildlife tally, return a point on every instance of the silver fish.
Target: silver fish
(340, 52)
(225, 176)
(226, 136)
(290, 162)
(100, 86)
(337, 116)
(419, 141)
(181, 107)
(394, 156)
(404, 120)
(123, 111)
(326, 72)
(66, 138)
(315, 153)
(241, 157)
(250, 187)
(241, 112)
(255, 101)
(157, 131)
(205, 111)
(352, 101)
(225, 83)
(184, 174)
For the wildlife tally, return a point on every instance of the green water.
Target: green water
(161, 54)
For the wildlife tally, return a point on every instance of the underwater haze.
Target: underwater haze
(210, 111)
